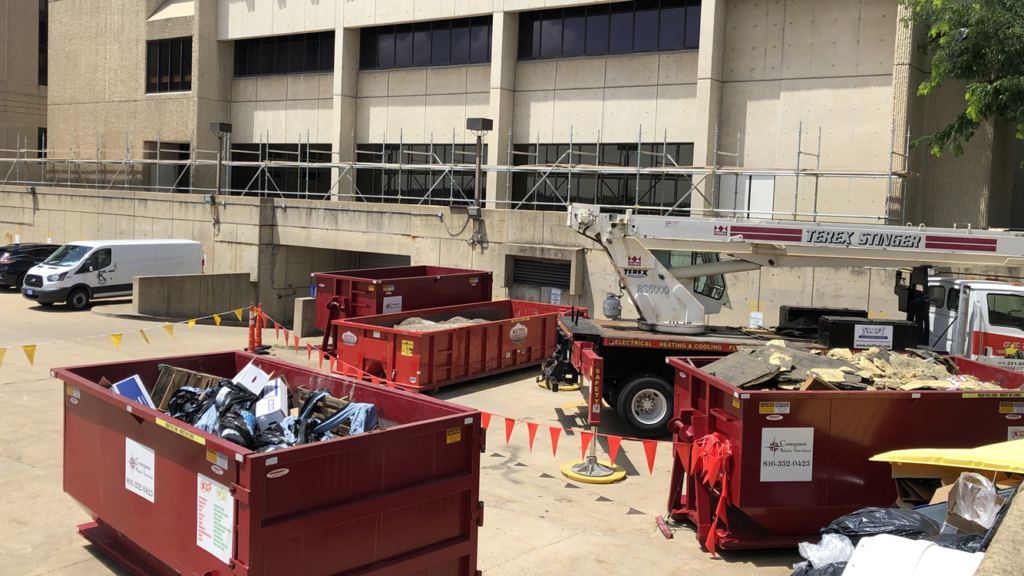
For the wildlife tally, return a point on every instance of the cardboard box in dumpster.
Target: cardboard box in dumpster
(272, 407)
(134, 389)
(957, 521)
(252, 378)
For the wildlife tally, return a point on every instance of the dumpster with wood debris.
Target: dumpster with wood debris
(774, 442)
(391, 490)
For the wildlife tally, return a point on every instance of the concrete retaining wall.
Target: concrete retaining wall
(278, 243)
(191, 295)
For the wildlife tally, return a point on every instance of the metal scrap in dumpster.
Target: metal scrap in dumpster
(168, 498)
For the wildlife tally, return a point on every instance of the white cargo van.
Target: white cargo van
(80, 272)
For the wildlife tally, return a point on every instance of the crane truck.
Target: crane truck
(624, 360)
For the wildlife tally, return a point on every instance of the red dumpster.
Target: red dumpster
(170, 499)
(384, 290)
(799, 460)
(516, 334)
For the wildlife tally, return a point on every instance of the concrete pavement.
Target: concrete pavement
(535, 521)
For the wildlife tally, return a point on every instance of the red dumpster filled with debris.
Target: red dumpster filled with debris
(425, 349)
(386, 290)
(762, 462)
(400, 496)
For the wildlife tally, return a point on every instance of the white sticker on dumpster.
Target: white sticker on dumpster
(787, 454)
(139, 469)
(215, 518)
(392, 304)
(1015, 433)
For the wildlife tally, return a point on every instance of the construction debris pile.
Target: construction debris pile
(782, 366)
(416, 324)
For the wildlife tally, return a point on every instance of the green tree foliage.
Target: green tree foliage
(981, 43)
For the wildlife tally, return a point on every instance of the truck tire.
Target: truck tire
(645, 404)
(78, 299)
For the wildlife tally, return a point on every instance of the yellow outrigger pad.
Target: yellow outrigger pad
(1002, 457)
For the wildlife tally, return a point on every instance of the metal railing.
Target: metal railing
(98, 169)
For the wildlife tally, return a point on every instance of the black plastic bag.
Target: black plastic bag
(964, 542)
(874, 521)
(186, 404)
(234, 425)
(271, 437)
(835, 569)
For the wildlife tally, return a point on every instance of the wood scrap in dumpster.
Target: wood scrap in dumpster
(779, 365)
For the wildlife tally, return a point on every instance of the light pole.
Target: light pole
(220, 130)
(479, 127)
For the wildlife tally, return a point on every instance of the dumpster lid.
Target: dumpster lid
(1002, 457)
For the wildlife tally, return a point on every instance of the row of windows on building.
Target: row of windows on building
(619, 28)
(421, 186)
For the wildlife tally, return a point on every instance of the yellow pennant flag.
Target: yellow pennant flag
(30, 352)
(144, 337)
(216, 319)
(239, 314)
(191, 322)
(116, 339)
(170, 330)
(2, 352)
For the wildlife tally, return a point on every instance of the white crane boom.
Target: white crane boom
(667, 306)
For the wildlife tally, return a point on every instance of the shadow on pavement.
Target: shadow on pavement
(61, 308)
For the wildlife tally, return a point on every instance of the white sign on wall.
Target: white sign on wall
(392, 304)
(140, 469)
(556, 296)
(867, 335)
(215, 518)
(756, 320)
(787, 454)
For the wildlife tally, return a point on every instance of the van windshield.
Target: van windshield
(68, 255)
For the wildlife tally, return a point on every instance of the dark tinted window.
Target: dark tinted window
(936, 296)
(620, 28)
(437, 43)
(412, 185)
(44, 41)
(953, 300)
(279, 55)
(169, 65)
(102, 258)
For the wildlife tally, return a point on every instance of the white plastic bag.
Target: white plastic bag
(832, 548)
(976, 499)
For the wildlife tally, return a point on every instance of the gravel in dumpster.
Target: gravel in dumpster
(784, 366)
(416, 324)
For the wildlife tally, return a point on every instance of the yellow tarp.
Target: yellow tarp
(1002, 457)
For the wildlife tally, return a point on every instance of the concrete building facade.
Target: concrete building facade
(749, 83)
(23, 76)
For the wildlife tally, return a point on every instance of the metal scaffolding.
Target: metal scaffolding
(106, 169)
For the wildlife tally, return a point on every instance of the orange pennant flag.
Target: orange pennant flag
(30, 352)
(485, 419)
(651, 448)
(613, 447)
(321, 359)
(277, 331)
(532, 427)
(287, 336)
(585, 438)
(170, 330)
(143, 332)
(344, 368)
(332, 363)
(555, 433)
(509, 425)
(116, 339)
(296, 342)
(309, 351)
